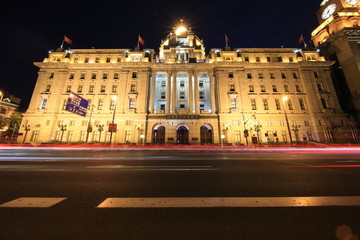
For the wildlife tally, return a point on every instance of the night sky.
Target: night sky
(31, 29)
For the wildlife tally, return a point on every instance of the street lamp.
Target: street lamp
(295, 128)
(113, 128)
(222, 140)
(284, 99)
(26, 129)
(224, 135)
(100, 129)
(62, 129)
(246, 131)
(141, 135)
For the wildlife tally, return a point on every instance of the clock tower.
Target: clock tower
(338, 38)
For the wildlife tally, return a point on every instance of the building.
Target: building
(183, 95)
(338, 37)
(9, 105)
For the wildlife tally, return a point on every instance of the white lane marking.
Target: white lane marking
(28, 202)
(131, 167)
(214, 202)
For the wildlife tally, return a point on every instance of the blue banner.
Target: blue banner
(77, 104)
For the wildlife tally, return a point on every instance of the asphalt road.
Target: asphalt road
(85, 179)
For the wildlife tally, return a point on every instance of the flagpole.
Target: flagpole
(226, 41)
(138, 40)
(62, 44)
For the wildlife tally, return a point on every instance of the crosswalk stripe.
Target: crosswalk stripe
(32, 202)
(214, 202)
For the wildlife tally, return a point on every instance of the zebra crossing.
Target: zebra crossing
(193, 202)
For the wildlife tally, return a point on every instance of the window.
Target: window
(257, 59)
(112, 104)
(71, 76)
(286, 88)
(280, 59)
(64, 104)
(302, 104)
(316, 74)
(51, 75)
(127, 136)
(320, 87)
(253, 104)
(233, 103)
(91, 88)
(68, 88)
(290, 105)
(232, 87)
(246, 59)
(201, 95)
(201, 84)
(249, 76)
(86, 59)
(162, 107)
(133, 87)
(283, 75)
(307, 123)
(324, 103)
(295, 75)
(262, 87)
(274, 87)
(268, 59)
(103, 88)
(182, 105)
(261, 75)
(277, 103)
(48, 87)
(131, 103)
(266, 104)
(272, 75)
(251, 88)
(97, 59)
(100, 104)
(202, 106)
(182, 95)
(35, 136)
(134, 75)
(82, 76)
(291, 59)
(93, 76)
(163, 84)
(116, 75)
(108, 59)
(163, 95)
(231, 75)
(237, 136)
(114, 88)
(80, 88)
(105, 75)
(43, 103)
(298, 88)
(182, 83)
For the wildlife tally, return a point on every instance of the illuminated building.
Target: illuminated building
(9, 104)
(182, 95)
(338, 37)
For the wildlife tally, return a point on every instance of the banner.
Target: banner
(77, 104)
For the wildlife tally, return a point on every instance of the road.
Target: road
(100, 194)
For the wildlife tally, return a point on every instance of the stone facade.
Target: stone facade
(184, 96)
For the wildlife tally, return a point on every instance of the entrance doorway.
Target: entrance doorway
(159, 135)
(182, 135)
(206, 135)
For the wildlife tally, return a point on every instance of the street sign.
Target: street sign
(77, 104)
(112, 127)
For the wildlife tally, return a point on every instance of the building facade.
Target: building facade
(338, 37)
(183, 95)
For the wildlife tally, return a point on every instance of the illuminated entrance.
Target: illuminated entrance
(182, 135)
(159, 134)
(206, 135)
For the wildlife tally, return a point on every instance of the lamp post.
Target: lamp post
(257, 130)
(26, 129)
(246, 131)
(62, 129)
(100, 129)
(222, 140)
(113, 128)
(224, 135)
(89, 127)
(284, 99)
(295, 128)
(141, 135)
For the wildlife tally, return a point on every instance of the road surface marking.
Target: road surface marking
(213, 202)
(27, 202)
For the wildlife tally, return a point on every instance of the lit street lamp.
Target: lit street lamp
(284, 99)
(26, 129)
(113, 128)
(62, 129)
(141, 135)
(100, 129)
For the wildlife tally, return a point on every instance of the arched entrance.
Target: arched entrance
(182, 135)
(206, 135)
(159, 135)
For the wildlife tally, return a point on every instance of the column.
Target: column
(191, 92)
(152, 93)
(168, 92)
(197, 103)
(173, 94)
(212, 92)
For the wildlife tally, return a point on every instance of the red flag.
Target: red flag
(301, 39)
(227, 40)
(141, 41)
(68, 40)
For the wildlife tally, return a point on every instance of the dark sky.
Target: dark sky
(31, 29)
